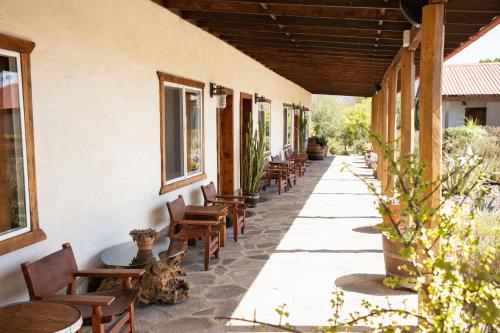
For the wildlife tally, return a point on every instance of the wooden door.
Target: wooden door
(477, 114)
(225, 147)
(246, 102)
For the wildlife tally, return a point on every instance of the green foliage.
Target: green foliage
(355, 118)
(483, 141)
(253, 160)
(322, 141)
(303, 124)
(339, 122)
(486, 60)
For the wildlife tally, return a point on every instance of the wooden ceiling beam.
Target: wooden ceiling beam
(295, 21)
(312, 46)
(491, 6)
(319, 31)
(221, 6)
(305, 43)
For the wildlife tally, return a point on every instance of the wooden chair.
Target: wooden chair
(235, 203)
(105, 311)
(276, 173)
(288, 169)
(298, 160)
(184, 229)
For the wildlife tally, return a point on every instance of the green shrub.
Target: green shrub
(484, 141)
(487, 234)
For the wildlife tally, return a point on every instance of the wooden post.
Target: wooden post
(431, 64)
(392, 86)
(383, 132)
(407, 75)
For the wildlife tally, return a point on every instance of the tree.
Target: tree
(486, 60)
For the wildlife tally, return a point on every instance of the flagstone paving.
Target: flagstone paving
(296, 249)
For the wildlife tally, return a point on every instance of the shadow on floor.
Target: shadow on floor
(368, 284)
(371, 230)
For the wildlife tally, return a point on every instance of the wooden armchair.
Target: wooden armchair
(287, 167)
(235, 203)
(299, 162)
(184, 229)
(276, 173)
(105, 311)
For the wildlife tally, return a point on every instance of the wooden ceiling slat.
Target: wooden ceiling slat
(286, 10)
(295, 21)
(305, 43)
(491, 6)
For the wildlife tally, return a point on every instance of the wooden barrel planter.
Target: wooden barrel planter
(392, 258)
(315, 151)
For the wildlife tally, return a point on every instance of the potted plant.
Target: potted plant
(253, 165)
(316, 148)
(144, 238)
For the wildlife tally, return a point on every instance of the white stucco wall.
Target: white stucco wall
(454, 112)
(96, 116)
(493, 113)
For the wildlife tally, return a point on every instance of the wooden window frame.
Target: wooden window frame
(267, 152)
(35, 234)
(287, 145)
(169, 78)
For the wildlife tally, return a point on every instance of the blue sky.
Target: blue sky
(487, 46)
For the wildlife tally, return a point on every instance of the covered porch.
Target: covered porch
(298, 249)
(134, 104)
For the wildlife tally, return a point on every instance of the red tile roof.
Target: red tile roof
(471, 79)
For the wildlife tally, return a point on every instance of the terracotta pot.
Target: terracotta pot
(392, 258)
(145, 244)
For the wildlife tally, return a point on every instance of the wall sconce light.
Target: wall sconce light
(220, 95)
(296, 109)
(307, 112)
(377, 87)
(262, 104)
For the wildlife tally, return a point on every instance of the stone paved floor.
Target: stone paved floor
(296, 249)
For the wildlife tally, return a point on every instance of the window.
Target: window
(287, 125)
(181, 107)
(18, 214)
(265, 124)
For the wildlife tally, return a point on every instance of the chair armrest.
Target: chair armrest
(227, 202)
(198, 222)
(234, 197)
(110, 272)
(90, 300)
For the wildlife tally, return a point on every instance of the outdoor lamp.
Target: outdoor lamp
(296, 109)
(262, 104)
(307, 112)
(220, 95)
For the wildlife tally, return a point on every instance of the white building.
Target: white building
(471, 90)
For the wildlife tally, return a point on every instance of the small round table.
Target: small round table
(162, 265)
(40, 317)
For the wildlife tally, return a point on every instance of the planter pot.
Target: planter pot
(392, 259)
(145, 244)
(315, 151)
(252, 199)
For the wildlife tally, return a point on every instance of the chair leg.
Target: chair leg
(132, 318)
(97, 326)
(208, 241)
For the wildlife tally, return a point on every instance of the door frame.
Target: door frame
(228, 186)
(243, 96)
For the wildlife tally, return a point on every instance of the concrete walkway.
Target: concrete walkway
(298, 247)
